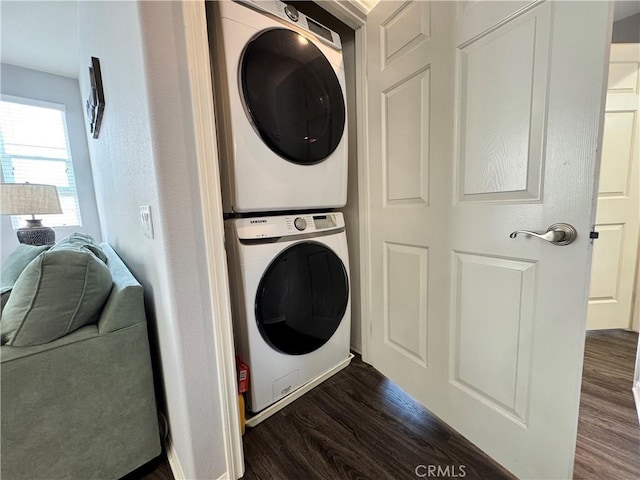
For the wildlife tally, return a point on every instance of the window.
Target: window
(34, 148)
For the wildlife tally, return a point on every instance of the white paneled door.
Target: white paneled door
(618, 218)
(484, 118)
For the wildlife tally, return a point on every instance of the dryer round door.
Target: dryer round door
(292, 96)
(302, 298)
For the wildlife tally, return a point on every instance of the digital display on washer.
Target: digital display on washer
(324, 221)
(319, 30)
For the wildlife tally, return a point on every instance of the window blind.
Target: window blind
(34, 148)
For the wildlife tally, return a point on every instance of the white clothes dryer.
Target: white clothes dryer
(280, 94)
(290, 298)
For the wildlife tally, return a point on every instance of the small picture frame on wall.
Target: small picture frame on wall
(95, 102)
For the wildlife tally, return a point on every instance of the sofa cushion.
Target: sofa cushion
(13, 266)
(60, 291)
(81, 241)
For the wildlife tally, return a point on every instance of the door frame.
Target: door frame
(353, 14)
(206, 147)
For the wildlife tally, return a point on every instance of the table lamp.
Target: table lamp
(31, 199)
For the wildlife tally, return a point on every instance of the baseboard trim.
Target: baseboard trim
(636, 397)
(174, 463)
(176, 468)
(280, 404)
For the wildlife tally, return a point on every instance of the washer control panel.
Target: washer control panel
(287, 225)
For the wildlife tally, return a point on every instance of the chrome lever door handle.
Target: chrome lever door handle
(559, 234)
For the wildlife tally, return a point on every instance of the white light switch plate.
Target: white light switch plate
(145, 219)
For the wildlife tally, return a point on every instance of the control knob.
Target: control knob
(291, 12)
(300, 223)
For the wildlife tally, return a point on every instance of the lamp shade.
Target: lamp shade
(28, 199)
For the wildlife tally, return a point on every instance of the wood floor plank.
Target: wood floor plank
(608, 445)
(360, 425)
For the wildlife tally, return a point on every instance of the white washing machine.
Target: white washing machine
(291, 300)
(280, 93)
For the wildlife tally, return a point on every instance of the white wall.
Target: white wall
(145, 156)
(23, 82)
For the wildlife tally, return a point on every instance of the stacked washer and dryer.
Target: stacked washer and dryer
(280, 92)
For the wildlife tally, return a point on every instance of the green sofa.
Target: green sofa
(82, 406)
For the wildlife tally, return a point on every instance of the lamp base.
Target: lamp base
(36, 233)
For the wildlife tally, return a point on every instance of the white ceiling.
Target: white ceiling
(42, 35)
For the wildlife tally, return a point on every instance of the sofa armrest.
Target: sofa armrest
(84, 404)
(125, 305)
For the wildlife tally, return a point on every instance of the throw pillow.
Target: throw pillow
(60, 291)
(13, 266)
(17, 261)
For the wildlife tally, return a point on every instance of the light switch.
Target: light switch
(145, 219)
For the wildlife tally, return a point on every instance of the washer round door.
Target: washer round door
(302, 298)
(292, 96)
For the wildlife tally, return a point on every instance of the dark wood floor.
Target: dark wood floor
(608, 434)
(356, 425)
(359, 425)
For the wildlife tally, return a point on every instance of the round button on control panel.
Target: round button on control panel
(300, 223)
(291, 12)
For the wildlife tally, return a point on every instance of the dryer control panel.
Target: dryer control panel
(290, 14)
(287, 225)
